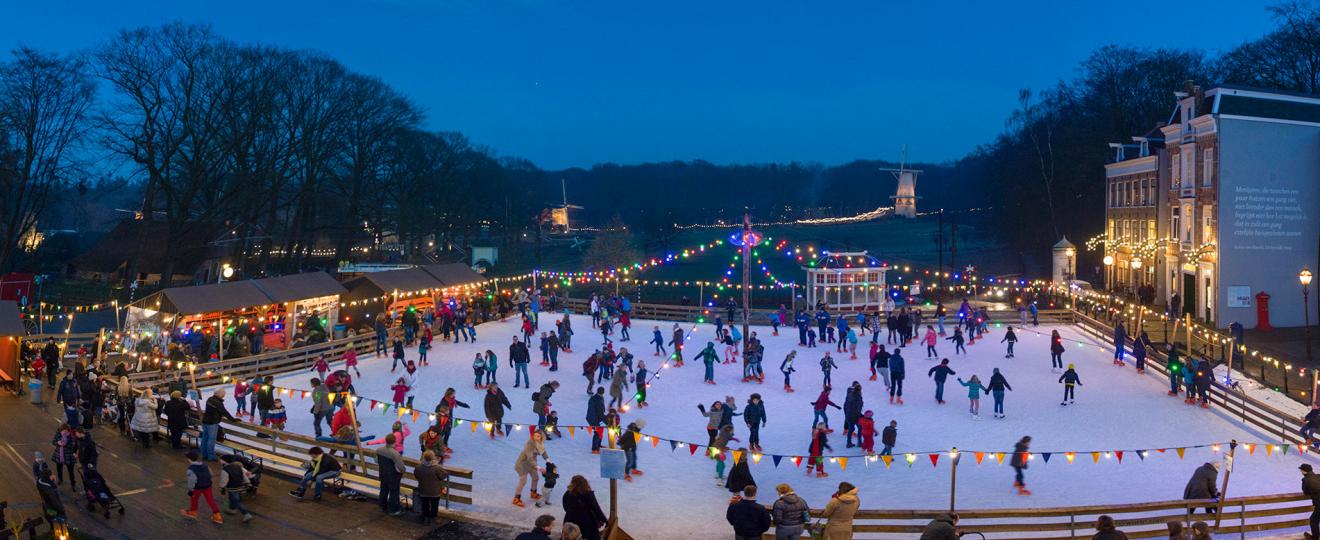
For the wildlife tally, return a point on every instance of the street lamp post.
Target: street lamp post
(1304, 277)
(1109, 294)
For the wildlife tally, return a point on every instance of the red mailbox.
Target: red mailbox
(1263, 311)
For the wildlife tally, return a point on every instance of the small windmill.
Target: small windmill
(559, 215)
(905, 199)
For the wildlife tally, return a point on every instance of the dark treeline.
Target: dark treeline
(282, 155)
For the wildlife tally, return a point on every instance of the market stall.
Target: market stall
(308, 308)
(11, 340)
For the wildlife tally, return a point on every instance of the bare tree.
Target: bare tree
(44, 101)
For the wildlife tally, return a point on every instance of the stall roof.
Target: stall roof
(300, 286)
(206, 298)
(454, 274)
(11, 323)
(406, 280)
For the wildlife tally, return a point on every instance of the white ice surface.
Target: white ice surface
(677, 497)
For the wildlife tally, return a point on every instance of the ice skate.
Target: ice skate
(638, 472)
(891, 400)
(900, 400)
(872, 377)
(1022, 490)
(1064, 403)
(535, 495)
(517, 501)
(626, 478)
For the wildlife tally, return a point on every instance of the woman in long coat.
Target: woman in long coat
(146, 419)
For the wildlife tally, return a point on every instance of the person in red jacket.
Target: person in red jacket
(815, 459)
(819, 406)
(866, 427)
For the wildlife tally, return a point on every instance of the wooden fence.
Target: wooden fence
(284, 452)
(270, 363)
(1242, 515)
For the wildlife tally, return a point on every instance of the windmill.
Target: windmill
(559, 215)
(905, 199)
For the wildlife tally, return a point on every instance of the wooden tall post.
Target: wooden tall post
(1223, 490)
(746, 279)
(1315, 384)
(192, 380)
(1190, 351)
(357, 435)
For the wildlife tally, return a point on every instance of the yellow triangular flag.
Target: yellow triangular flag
(1269, 449)
(1095, 456)
(1180, 452)
(999, 456)
(888, 459)
(1071, 456)
(571, 431)
(737, 456)
(474, 426)
(843, 463)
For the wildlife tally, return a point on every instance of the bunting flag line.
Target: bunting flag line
(776, 459)
(843, 463)
(979, 456)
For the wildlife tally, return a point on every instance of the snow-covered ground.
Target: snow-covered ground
(677, 497)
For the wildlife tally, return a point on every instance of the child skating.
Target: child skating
(827, 366)
(929, 340)
(958, 341)
(1069, 380)
(974, 389)
(786, 367)
(1010, 338)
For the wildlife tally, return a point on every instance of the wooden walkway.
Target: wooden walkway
(148, 482)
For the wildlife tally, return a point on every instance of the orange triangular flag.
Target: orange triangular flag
(1071, 456)
(737, 456)
(999, 456)
(843, 463)
(1269, 449)
(655, 442)
(474, 426)
(1251, 449)
(979, 456)
(888, 459)
(1180, 452)
(416, 415)
(571, 431)
(637, 437)
(304, 394)
(1095, 456)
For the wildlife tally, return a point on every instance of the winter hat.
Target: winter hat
(38, 456)
(640, 423)
(867, 414)
(1070, 366)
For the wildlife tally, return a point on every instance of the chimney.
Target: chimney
(1188, 87)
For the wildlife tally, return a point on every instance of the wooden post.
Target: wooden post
(1315, 382)
(953, 479)
(1190, 350)
(357, 434)
(192, 379)
(1223, 491)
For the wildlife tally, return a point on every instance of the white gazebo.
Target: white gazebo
(846, 281)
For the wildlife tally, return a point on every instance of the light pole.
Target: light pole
(1304, 277)
(1109, 295)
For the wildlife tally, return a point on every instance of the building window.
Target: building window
(1207, 167)
(1177, 170)
(1174, 222)
(1189, 224)
(1207, 223)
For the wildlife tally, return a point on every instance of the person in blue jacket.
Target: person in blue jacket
(1139, 352)
(897, 372)
(1189, 379)
(822, 322)
(941, 374)
(802, 322)
(1069, 379)
(1120, 341)
(659, 340)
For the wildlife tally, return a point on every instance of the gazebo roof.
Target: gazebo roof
(1064, 243)
(847, 260)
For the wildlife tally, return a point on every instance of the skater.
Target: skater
(786, 367)
(553, 346)
(754, 416)
(526, 467)
(1019, 463)
(1311, 488)
(519, 358)
(811, 338)
(321, 367)
(544, 347)
(1120, 341)
(713, 418)
(888, 438)
(628, 442)
(549, 477)
(1189, 379)
(478, 371)
(1139, 352)
(822, 322)
(200, 486)
(492, 364)
(974, 389)
(929, 340)
(494, 404)
(398, 354)
(596, 417)
(730, 348)
(677, 343)
(617, 385)
(1056, 352)
(424, 345)
(998, 384)
(1069, 380)
(880, 363)
(1203, 379)
(816, 451)
(941, 374)
(718, 451)
(866, 432)
(589, 367)
(1010, 338)
(802, 322)
(351, 362)
(709, 357)
(1175, 369)
(897, 372)
(958, 341)
(819, 405)
(852, 411)
(658, 340)
(640, 382)
(827, 366)
(774, 322)
(541, 403)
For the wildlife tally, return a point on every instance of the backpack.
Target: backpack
(536, 396)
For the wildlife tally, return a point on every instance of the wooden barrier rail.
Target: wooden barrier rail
(284, 452)
(271, 363)
(1139, 520)
(1234, 401)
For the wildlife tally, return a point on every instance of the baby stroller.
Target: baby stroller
(253, 466)
(98, 493)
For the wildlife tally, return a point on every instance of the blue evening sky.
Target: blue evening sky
(572, 83)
